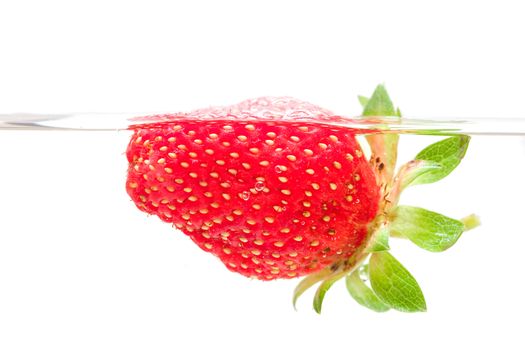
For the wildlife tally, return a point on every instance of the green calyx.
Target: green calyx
(373, 277)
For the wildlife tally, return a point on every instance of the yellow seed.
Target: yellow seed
(220, 162)
(232, 264)
(256, 206)
(232, 171)
(326, 218)
(242, 138)
(184, 164)
(271, 134)
(308, 152)
(323, 146)
(226, 144)
(251, 222)
(279, 244)
(306, 214)
(133, 185)
(172, 155)
(285, 230)
(226, 196)
(293, 254)
(168, 170)
(294, 138)
(286, 192)
(192, 198)
(208, 245)
(243, 239)
(246, 166)
(250, 127)
(161, 161)
(264, 163)
(209, 152)
(256, 252)
(225, 185)
(269, 142)
(213, 136)
(308, 193)
(198, 141)
(276, 255)
(171, 139)
(227, 251)
(333, 186)
(208, 194)
(203, 183)
(192, 154)
(237, 212)
(214, 205)
(291, 158)
(193, 175)
(298, 238)
(214, 174)
(349, 198)
(315, 186)
(314, 243)
(234, 155)
(337, 165)
(269, 219)
(333, 138)
(254, 150)
(310, 171)
(187, 189)
(258, 242)
(283, 179)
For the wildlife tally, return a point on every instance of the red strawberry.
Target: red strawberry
(263, 185)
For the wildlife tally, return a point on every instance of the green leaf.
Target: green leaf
(379, 105)
(320, 293)
(381, 240)
(427, 229)
(363, 294)
(394, 285)
(363, 100)
(447, 153)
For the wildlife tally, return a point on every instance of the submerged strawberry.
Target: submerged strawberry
(272, 198)
(277, 188)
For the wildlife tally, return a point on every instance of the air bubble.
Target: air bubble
(278, 169)
(245, 195)
(259, 186)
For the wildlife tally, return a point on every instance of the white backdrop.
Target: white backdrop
(82, 268)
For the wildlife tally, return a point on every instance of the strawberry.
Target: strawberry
(280, 188)
(271, 197)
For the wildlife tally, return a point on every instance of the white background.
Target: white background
(82, 268)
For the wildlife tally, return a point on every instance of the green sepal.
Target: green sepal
(383, 146)
(380, 240)
(410, 172)
(427, 229)
(394, 285)
(320, 293)
(447, 153)
(363, 100)
(363, 294)
(379, 104)
(306, 283)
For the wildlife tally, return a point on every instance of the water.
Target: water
(122, 121)
(77, 258)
